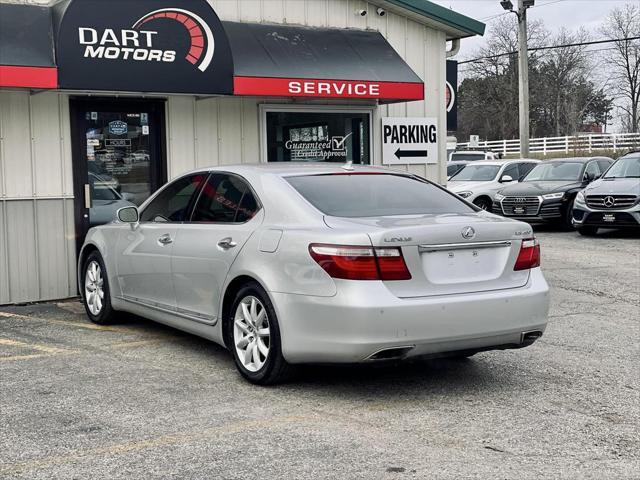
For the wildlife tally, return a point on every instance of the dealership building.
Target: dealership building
(103, 101)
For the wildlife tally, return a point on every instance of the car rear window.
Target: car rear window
(467, 156)
(375, 195)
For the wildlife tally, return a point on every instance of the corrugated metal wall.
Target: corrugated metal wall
(36, 206)
(37, 250)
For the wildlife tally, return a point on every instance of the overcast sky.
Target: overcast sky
(554, 13)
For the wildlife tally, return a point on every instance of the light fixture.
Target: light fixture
(361, 13)
(381, 12)
(507, 5)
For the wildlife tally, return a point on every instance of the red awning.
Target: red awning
(295, 61)
(26, 47)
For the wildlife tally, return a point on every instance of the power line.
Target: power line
(549, 47)
(491, 17)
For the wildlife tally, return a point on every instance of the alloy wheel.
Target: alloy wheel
(94, 288)
(251, 333)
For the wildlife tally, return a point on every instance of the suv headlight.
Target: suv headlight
(465, 194)
(580, 197)
(553, 196)
(500, 197)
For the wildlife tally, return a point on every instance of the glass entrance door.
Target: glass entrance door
(118, 157)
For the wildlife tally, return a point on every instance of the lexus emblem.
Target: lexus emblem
(609, 201)
(468, 233)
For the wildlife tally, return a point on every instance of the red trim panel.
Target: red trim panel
(31, 77)
(307, 87)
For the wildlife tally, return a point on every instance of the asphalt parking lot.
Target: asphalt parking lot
(138, 400)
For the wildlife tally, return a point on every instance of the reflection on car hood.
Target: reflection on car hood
(462, 186)
(538, 188)
(622, 186)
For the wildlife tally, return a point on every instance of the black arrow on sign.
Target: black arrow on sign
(410, 153)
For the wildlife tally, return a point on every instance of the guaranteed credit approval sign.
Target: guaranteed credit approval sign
(409, 140)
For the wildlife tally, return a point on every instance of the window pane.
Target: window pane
(172, 204)
(317, 137)
(248, 208)
(358, 195)
(219, 200)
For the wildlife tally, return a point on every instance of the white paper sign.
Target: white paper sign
(409, 140)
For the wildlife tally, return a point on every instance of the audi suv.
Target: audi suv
(548, 191)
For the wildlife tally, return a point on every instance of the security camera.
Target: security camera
(381, 12)
(362, 13)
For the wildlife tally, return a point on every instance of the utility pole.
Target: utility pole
(523, 70)
(523, 77)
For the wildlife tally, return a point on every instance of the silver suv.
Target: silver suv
(613, 201)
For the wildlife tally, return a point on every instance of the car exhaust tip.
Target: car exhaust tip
(527, 338)
(394, 353)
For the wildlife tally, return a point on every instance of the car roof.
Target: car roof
(504, 161)
(578, 159)
(287, 169)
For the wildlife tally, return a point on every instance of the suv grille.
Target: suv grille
(611, 201)
(517, 206)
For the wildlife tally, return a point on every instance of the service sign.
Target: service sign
(409, 140)
(143, 46)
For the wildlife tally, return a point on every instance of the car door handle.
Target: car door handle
(226, 243)
(165, 239)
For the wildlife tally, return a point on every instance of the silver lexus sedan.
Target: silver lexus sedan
(318, 263)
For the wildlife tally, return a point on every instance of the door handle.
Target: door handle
(165, 239)
(87, 195)
(227, 243)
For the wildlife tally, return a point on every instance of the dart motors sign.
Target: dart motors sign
(409, 140)
(143, 46)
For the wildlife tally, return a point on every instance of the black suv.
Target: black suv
(548, 191)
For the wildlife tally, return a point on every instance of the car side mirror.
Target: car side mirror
(128, 215)
(589, 177)
(506, 179)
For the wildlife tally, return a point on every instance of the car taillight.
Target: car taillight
(529, 256)
(360, 263)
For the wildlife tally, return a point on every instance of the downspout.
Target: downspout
(455, 48)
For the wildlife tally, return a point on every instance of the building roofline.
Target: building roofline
(460, 26)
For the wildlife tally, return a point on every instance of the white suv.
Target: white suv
(479, 181)
(473, 155)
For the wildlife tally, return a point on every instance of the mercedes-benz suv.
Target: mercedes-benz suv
(613, 201)
(547, 193)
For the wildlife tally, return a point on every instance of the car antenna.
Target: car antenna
(348, 166)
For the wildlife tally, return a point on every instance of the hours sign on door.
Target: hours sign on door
(409, 140)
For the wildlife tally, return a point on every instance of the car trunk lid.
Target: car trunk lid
(448, 254)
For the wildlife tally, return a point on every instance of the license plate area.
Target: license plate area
(520, 210)
(464, 265)
(609, 217)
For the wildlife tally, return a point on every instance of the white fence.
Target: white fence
(550, 145)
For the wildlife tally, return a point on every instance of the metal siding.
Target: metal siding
(4, 264)
(250, 10)
(21, 247)
(51, 242)
(180, 135)
(250, 131)
(206, 132)
(230, 130)
(16, 144)
(48, 168)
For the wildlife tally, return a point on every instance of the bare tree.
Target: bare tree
(623, 60)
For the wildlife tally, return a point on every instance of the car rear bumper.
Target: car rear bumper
(365, 318)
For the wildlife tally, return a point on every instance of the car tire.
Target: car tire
(254, 338)
(568, 216)
(588, 231)
(483, 203)
(96, 293)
